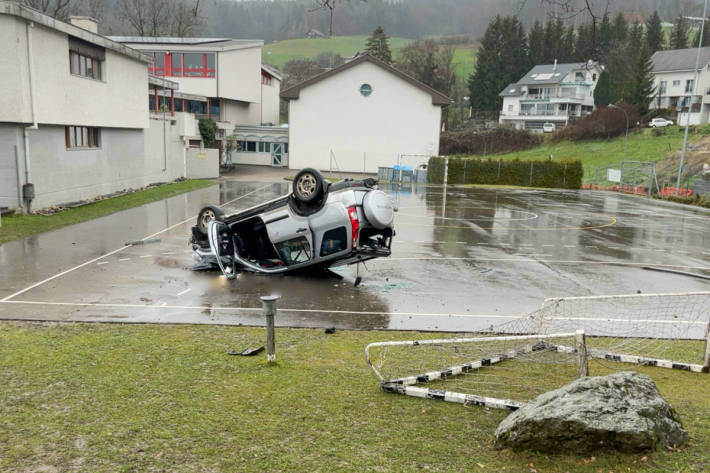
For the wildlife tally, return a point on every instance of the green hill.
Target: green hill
(280, 52)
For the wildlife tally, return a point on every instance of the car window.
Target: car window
(334, 241)
(294, 251)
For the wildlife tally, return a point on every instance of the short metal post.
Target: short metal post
(531, 172)
(269, 303)
(706, 361)
(581, 346)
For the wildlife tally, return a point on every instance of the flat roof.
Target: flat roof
(30, 14)
(207, 44)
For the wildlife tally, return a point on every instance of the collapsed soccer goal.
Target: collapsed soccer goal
(507, 365)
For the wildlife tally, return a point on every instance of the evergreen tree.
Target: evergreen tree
(602, 92)
(605, 38)
(554, 31)
(568, 43)
(655, 38)
(501, 60)
(706, 38)
(636, 36)
(378, 45)
(641, 88)
(679, 34)
(536, 44)
(584, 48)
(619, 30)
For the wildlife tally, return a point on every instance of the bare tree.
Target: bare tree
(59, 9)
(327, 5)
(161, 17)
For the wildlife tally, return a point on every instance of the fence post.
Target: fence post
(465, 166)
(499, 161)
(621, 175)
(269, 303)
(564, 176)
(581, 346)
(446, 169)
(706, 361)
(531, 171)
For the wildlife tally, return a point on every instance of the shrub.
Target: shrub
(554, 174)
(701, 200)
(605, 122)
(208, 130)
(499, 140)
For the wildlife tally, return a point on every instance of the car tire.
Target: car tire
(207, 213)
(308, 185)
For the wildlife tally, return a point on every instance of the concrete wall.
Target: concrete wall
(10, 141)
(397, 118)
(118, 100)
(261, 159)
(239, 74)
(202, 163)
(270, 102)
(127, 159)
(240, 113)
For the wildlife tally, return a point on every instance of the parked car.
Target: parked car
(659, 122)
(317, 226)
(548, 127)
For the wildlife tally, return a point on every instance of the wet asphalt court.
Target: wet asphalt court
(462, 260)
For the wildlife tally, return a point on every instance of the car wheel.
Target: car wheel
(207, 213)
(308, 185)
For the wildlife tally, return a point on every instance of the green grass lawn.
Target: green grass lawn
(20, 226)
(134, 398)
(642, 146)
(280, 52)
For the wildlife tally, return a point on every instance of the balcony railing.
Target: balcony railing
(558, 95)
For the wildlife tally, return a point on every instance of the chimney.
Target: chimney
(85, 22)
(554, 67)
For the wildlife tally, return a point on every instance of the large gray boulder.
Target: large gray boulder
(622, 411)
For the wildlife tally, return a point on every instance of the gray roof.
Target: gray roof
(512, 90)
(679, 59)
(218, 43)
(548, 74)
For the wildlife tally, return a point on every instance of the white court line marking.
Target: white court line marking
(483, 243)
(461, 242)
(102, 262)
(259, 309)
(123, 259)
(613, 248)
(570, 246)
(513, 260)
(164, 304)
(588, 246)
(184, 292)
(169, 253)
(547, 246)
(145, 256)
(530, 254)
(58, 275)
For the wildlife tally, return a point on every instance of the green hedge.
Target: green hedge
(553, 174)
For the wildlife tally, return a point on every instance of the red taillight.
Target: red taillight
(354, 224)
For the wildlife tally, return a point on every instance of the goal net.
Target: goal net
(507, 365)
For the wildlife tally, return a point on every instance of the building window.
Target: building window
(594, 77)
(676, 83)
(176, 64)
(267, 80)
(84, 66)
(365, 90)
(82, 137)
(510, 107)
(689, 85)
(579, 76)
(183, 64)
(264, 147)
(662, 87)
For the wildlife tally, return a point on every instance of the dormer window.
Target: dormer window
(86, 59)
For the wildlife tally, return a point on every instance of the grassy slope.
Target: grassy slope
(642, 146)
(167, 398)
(20, 226)
(280, 52)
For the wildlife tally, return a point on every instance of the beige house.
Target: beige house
(360, 116)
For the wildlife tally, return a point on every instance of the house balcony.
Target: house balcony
(560, 95)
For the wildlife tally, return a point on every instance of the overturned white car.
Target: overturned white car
(317, 226)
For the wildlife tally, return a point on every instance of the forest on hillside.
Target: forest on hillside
(274, 20)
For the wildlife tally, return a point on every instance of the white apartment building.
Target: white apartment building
(219, 78)
(674, 74)
(360, 116)
(550, 93)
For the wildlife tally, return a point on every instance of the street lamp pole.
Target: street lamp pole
(626, 139)
(690, 105)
